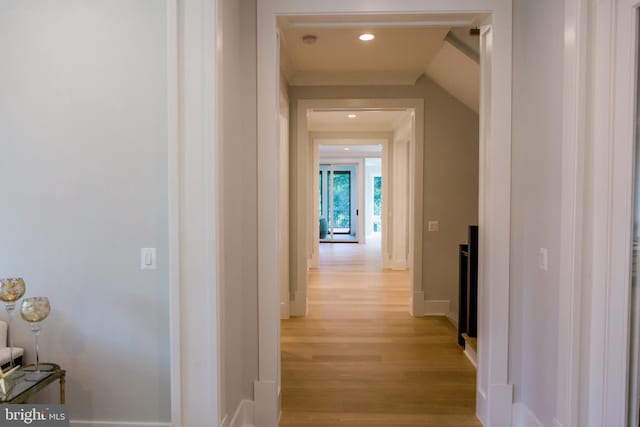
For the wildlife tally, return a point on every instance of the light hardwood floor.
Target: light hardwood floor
(360, 359)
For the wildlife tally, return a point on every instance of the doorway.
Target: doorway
(338, 200)
(494, 394)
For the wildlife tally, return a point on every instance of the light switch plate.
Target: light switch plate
(543, 259)
(433, 226)
(148, 259)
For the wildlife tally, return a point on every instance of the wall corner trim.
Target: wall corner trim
(243, 416)
(453, 318)
(417, 304)
(500, 405)
(298, 306)
(266, 407)
(524, 417)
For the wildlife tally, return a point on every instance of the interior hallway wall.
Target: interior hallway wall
(450, 175)
(83, 181)
(239, 231)
(536, 192)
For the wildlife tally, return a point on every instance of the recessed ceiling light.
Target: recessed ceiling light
(367, 37)
(347, 148)
(352, 116)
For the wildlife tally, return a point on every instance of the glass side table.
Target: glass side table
(19, 389)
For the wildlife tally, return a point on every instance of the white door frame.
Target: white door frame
(305, 240)
(342, 138)
(358, 164)
(495, 394)
(356, 138)
(193, 192)
(612, 180)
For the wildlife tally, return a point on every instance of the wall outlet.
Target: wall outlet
(433, 226)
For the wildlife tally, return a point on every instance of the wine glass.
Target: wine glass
(11, 290)
(34, 310)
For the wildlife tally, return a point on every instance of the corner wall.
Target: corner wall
(536, 203)
(450, 175)
(239, 228)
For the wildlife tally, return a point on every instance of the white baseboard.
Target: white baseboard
(417, 304)
(399, 264)
(524, 417)
(471, 355)
(266, 407)
(243, 417)
(500, 405)
(437, 307)
(284, 311)
(85, 423)
(386, 262)
(482, 407)
(298, 307)
(453, 318)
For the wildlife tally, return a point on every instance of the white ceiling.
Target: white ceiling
(365, 120)
(403, 48)
(325, 149)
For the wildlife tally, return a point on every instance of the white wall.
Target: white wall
(535, 216)
(450, 175)
(400, 194)
(239, 203)
(83, 182)
(373, 167)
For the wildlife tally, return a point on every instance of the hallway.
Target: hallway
(360, 359)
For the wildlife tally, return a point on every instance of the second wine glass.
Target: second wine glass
(34, 310)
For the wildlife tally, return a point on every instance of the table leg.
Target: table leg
(62, 383)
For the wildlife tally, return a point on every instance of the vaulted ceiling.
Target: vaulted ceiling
(405, 47)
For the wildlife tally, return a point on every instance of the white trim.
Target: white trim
(193, 211)
(453, 318)
(267, 403)
(308, 156)
(613, 160)
(397, 264)
(524, 417)
(500, 403)
(495, 395)
(299, 305)
(437, 307)
(416, 304)
(243, 416)
(573, 154)
(173, 167)
(471, 354)
(266, 388)
(382, 24)
(83, 423)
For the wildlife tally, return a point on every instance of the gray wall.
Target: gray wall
(83, 183)
(535, 216)
(239, 203)
(450, 174)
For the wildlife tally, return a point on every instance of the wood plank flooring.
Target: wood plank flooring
(360, 359)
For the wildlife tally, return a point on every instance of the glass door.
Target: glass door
(341, 202)
(337, 203)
